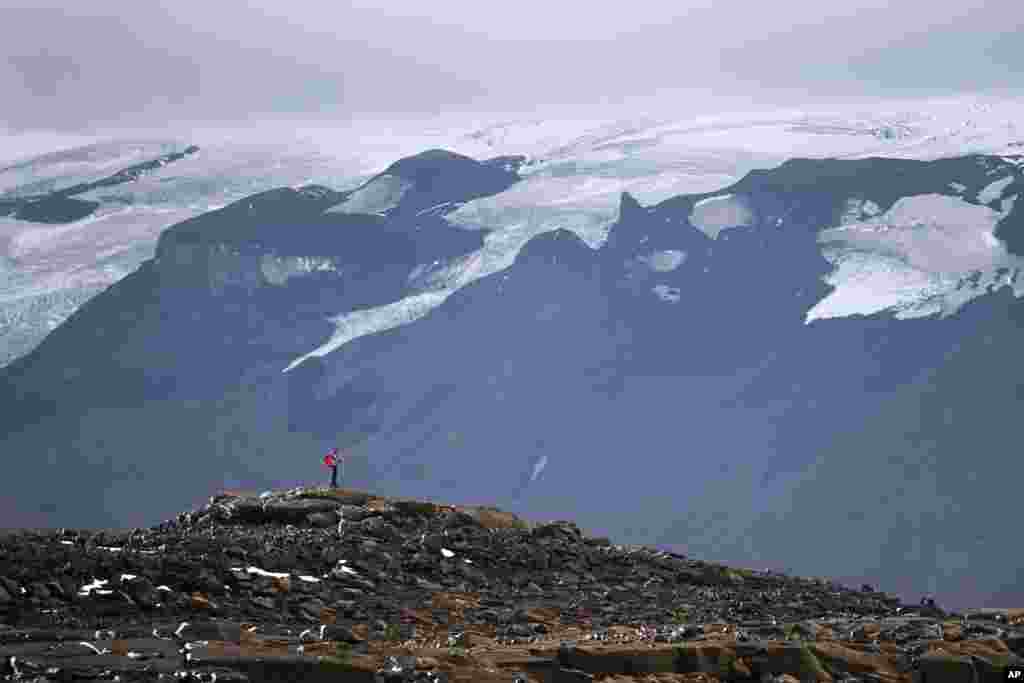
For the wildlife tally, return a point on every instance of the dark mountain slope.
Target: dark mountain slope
(664, 388)
(151, 366)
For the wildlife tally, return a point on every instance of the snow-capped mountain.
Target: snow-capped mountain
(671, 330)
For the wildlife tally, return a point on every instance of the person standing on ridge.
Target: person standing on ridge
(332, 460)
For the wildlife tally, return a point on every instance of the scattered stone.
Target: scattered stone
(249, 579)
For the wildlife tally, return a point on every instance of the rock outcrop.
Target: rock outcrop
(252, 588)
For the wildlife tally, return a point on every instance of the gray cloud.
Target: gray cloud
(111, 62)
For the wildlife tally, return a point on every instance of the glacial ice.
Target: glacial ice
(918, 259)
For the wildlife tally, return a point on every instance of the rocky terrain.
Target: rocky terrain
(314, 584)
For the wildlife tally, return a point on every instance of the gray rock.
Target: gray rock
(210, 630)
(322, 520)
(434, 542)
(378, 527)
(12, 588)
(295, 511)
(142, 591)
(266, 603)
(947, 669)
(354, 513)
(338, 633)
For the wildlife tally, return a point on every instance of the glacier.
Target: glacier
(575, 175)
(572, 179)
(928, 255)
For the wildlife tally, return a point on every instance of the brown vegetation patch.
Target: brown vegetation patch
(493, 518)
(965, 648)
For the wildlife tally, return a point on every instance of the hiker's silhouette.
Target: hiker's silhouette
(331, 460)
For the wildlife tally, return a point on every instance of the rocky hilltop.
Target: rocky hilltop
(344, 585)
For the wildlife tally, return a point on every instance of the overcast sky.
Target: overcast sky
(107, 63)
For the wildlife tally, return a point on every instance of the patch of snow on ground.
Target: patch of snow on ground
(95, 585)
(928, 255)
(263, 572)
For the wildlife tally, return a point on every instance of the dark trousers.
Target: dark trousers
(334, 477)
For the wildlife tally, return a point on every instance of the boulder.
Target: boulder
(415, 508)
(945, 669)
(377, 526)
(322, 520)
(239, 510)
(339, 633)
(558, 529)
(354, 513)
(210, 630)
(342, 496)
(10, 587)
(295, 511)
(142, 591)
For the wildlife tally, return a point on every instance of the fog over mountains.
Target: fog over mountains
(780, 341)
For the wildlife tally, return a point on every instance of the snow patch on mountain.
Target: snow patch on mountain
(379, 196)
(994, 190)
(278, 270)
(664, 261)
(372, 320)
(583, 195)
(928, 255)
(667, 293)
(715, 214)
(857, 210)
(541, 463)
(433, 288)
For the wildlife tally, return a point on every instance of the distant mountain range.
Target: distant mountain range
(815, 365)
(61, 205)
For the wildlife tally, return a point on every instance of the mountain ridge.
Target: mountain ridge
(580, 345)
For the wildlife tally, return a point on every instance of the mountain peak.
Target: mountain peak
(435, 180)
(628, 206)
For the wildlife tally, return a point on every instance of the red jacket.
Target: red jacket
(331, 460)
